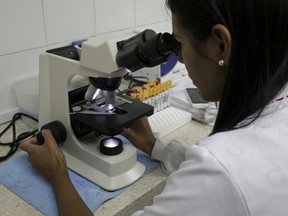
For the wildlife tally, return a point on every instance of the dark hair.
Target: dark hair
(258, 68)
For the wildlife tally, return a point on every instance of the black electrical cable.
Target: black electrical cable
(136, 80)
(16, 140)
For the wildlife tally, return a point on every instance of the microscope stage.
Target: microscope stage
(114, 123)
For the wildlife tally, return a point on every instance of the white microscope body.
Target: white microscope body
(97, 58)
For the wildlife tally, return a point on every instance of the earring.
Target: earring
(221, 63)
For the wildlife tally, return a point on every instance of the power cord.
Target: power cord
(135, 79)
(16, 140)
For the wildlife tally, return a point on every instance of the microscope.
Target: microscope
(93, 114)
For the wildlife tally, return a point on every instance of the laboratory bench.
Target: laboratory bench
(137, 195)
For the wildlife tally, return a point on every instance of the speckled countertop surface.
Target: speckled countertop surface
(134, 198)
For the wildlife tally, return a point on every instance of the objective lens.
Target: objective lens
(110, 100)
(111, 146)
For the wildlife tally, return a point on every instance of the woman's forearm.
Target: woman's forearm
(68, 200)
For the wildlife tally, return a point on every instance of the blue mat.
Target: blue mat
(18, 175)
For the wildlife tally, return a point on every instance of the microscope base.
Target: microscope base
(109, 183)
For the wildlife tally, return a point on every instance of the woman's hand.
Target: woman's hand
(141, 135)
(47, 158)
(50, 160)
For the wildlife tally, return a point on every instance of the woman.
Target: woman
(235, 52)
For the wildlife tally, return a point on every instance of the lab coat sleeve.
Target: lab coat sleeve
(171, 155)
(201, 187)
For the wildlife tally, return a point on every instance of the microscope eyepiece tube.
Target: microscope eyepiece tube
(158, 47)
(147, 49)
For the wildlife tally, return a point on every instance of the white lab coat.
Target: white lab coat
(235, 173)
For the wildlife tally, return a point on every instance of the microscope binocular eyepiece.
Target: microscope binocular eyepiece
(146, 49)
(57, 129)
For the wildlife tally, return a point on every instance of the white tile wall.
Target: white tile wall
(22, 25)
(150, 11)
(114, 15)
(29, 27)
(17, 65)
(68, 20)
(14, 67)
(157, 27)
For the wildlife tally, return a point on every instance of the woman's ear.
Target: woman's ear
(221, 39)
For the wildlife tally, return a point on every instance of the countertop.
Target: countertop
(137, 196)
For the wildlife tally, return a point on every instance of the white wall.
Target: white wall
(30, 27)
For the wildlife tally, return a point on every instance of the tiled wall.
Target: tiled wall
(29, 27)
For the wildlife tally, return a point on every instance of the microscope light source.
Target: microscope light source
(111, 146)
